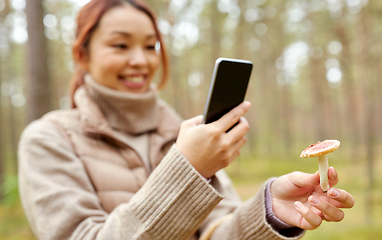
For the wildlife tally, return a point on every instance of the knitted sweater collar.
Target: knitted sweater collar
(128, 112)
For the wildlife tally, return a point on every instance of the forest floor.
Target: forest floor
(247, 175)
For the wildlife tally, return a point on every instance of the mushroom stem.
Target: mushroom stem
(323, 169)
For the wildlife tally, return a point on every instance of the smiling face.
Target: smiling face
(121, 54)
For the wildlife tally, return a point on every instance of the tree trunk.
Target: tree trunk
(352, 110)
(216, 23)
(368, 91)
(36, 63)
(3, 14)
(2, 159)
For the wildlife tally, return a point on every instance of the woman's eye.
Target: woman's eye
(151, 47)
(120, 46)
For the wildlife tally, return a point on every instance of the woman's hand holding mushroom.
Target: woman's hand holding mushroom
(297, 199)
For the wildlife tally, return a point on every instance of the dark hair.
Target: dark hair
(87, 21)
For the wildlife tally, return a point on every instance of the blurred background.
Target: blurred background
(316, 76)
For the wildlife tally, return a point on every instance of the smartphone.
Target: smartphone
(228, 87)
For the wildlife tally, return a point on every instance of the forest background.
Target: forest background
(316, 76)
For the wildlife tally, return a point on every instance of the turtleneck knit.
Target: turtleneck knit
(126, 112)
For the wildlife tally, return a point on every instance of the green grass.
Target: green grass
(247, 175)
(13, 224)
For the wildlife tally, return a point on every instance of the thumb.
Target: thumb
(301, 179)
(193, 121)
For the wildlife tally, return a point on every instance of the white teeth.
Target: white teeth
(138, 79)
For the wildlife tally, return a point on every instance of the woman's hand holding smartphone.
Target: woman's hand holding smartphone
(209, 147)
(212, 142)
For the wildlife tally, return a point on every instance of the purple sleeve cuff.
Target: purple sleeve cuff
(274, 221)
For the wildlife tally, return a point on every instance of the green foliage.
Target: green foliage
(11, 191)
(13, 224)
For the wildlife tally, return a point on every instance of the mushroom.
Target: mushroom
(320, 150)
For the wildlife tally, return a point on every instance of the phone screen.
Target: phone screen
(228, 87)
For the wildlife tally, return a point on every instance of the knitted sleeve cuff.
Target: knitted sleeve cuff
(278, 225)
(274, 221)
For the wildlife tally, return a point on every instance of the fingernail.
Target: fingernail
(334, 174)
(298, 204)
(313, 200)
(334, 193)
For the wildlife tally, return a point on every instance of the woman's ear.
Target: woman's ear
(82, 58)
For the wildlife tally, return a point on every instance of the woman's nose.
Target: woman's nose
(138, 57)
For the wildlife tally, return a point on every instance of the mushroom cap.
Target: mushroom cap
(320, 148)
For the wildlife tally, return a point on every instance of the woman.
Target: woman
(121, 164)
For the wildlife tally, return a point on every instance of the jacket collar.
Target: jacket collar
(93, 121)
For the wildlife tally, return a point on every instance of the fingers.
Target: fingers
(310, 219)
(233, 116)
(333, 176)
(238, 144)
(330, 212)
(237, 138)
(239, 130)
(344, 198)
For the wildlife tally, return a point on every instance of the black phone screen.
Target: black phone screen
(228, 88)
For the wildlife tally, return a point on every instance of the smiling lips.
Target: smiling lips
(133, 81)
